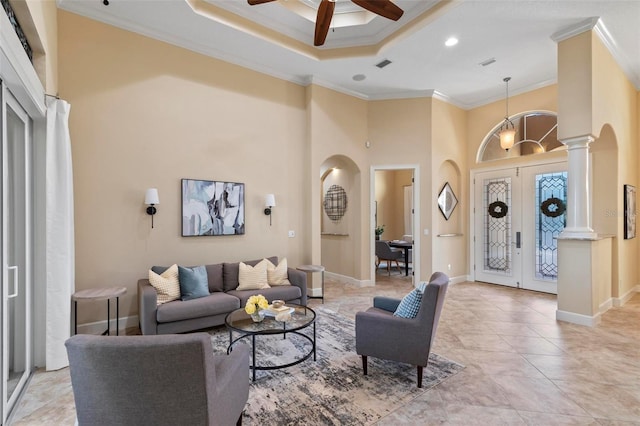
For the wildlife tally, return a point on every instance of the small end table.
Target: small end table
(99, 294)
(311, 269)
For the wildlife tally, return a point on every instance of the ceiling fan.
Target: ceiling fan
(383, 8)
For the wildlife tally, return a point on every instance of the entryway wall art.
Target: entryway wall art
(212, 208)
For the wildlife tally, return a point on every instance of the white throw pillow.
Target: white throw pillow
(166, 284)
(253, 277)
(277, 275)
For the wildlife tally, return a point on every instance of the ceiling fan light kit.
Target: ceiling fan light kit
(384, 8)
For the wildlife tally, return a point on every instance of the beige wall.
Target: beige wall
(338, 132)
(450, 164)
(147, 114)
(400, 135)
(390, 200)
(615, 123)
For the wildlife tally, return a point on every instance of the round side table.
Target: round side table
(99, 294)
(311, 269)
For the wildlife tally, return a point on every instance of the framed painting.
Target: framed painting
(212, 208)
(629, 212)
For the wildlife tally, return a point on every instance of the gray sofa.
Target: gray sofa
(181, 316)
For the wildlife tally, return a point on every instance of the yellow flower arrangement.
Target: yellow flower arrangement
(255, 303)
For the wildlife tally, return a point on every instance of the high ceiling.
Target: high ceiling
(277, 38)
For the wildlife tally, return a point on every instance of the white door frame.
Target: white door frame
(472, 176)
(416, 216)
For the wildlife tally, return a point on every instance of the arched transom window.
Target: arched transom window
(536, 133)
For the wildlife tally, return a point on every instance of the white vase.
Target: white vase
(256, 317)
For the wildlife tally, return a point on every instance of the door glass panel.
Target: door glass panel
(497, 244)
(551, 202)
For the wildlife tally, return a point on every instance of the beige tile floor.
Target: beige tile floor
(522, 366)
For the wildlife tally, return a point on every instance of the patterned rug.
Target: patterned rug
(331, 390)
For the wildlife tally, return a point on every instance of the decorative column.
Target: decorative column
(578, 200)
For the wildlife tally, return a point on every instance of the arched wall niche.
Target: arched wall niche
(449, 241)
(536, 133)
(607, 198)
(340, 212)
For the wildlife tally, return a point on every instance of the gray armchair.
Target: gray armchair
(380, 334)
(386, 253)
(157, 380)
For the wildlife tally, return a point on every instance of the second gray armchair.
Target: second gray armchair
(380, 334)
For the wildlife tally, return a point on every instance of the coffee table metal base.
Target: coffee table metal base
(255, 367)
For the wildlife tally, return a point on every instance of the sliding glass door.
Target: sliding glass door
(17, 193)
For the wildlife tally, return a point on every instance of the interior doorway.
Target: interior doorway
(394, 209)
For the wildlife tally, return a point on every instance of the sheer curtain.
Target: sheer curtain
(60, 252)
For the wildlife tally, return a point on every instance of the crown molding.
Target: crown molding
(598, 27)
(574, 30)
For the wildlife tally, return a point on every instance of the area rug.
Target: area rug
(331, 390)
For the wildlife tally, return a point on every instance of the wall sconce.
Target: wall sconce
(269, 203)
(151, 199)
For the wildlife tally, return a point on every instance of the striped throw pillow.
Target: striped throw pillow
(166, 284)
(277, 275)
(253, 277)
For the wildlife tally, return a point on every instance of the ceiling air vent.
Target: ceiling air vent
(383, 63)
(487, 62)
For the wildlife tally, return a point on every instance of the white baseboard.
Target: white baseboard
(606, 305)
(99, 327)
(578, 318)
(458, 280)
(349, 280)
(620, 301)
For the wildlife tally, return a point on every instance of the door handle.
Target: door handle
(15, 282)
(518, 239)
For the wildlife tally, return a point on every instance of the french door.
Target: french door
(518, 214)
(16, 250)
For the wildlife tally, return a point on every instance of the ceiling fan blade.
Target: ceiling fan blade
(381, 7)
(323, 21)
(254, 2)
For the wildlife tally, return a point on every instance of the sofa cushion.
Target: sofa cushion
(285, 292)
(214, 304)
(193, 282)
(214, 276)
(167, 284)
(277, 275)
(230, 272)
(252, 277)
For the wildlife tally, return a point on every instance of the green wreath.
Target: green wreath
(553, 207)
(498, 209)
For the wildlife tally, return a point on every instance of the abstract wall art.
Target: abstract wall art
(629, 212)
(212, 208)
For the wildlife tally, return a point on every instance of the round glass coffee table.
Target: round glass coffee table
(240, 322)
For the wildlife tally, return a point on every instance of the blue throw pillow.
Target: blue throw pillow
(410, 304)
(193, 282)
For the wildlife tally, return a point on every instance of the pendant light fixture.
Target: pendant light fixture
(507, 129)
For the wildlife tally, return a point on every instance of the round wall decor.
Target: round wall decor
(335, 202)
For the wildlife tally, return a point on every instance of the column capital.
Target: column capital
(578, 141)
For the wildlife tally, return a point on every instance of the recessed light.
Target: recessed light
(451, 41)
(359, 77)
